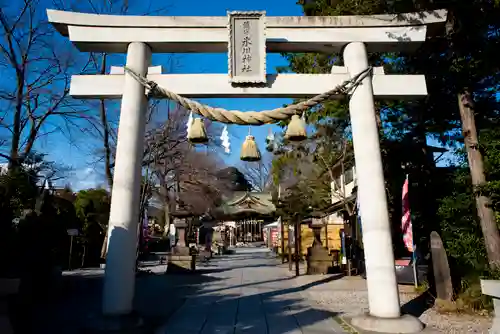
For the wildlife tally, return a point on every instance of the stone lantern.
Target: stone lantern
(180, 258)
(318, 259)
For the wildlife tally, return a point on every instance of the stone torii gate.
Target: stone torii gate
(139, 37)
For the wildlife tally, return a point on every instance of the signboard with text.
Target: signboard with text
(274, 237)
(247, 47)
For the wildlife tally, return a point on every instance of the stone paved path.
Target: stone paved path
(249, 294)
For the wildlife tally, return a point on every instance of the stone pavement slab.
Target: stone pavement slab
(249, 293)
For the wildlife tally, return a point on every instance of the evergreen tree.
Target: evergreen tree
(459, 59)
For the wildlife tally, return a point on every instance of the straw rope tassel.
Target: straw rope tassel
(197, 133)
(249, 150)
(296, 130)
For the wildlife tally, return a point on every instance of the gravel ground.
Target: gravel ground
(350, 297)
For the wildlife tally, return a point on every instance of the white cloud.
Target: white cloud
(86, 178)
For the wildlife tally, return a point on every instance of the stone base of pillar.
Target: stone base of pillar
(404, 324)
(181, 264)
(124, 324)
(181, 250)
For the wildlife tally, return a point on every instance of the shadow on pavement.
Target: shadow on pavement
(419, 305)
(186, 301)
(258, 307)
(260, 313)
(300, 288)
(80, 295)
(221, 270)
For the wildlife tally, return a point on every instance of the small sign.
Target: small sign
(402, 262)
(72, 232)
(247, 47)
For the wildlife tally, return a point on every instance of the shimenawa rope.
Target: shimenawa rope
(249, 117)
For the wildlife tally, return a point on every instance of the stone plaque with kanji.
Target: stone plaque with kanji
(247, 47)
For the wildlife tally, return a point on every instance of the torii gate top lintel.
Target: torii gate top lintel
(209, 34)
(171, 34)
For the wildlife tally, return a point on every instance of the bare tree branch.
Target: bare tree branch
(40, 67)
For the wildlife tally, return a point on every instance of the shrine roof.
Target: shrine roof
(248, 203)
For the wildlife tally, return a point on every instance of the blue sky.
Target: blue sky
(81, 157)
(80, 153)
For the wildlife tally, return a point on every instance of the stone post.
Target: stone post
(316, 229)
(119, 280)
(383, 296)
(181, 247)
(181, 259)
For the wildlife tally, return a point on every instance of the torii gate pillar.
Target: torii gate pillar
(377, 240)
(119, 280)
(383, 294)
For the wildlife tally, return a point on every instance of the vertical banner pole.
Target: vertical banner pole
(415, 275)
(70, 252)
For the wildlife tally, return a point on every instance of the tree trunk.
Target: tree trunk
(16, 127)
(104, 248)
(107, 152)
(166, 210)
(297, 246)
(379, 119)
(105, 129)
(166, 226)
(289, 248)
(485, 213)
(282, 240)
(83, 256)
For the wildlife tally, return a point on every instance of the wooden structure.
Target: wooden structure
(333, 223)
(250, 211)
(330, 237)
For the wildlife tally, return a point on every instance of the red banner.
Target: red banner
(406, 225)
(274, 236)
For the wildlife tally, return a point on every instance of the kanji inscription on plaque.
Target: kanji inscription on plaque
(247, 47)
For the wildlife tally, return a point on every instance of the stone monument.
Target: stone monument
(441, 268)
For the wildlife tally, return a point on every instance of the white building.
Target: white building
(342, 189)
